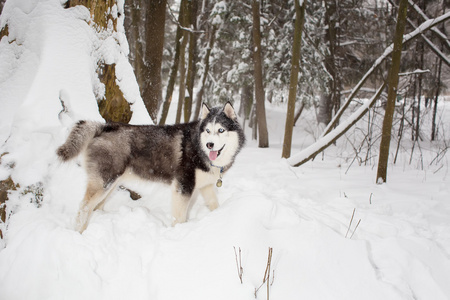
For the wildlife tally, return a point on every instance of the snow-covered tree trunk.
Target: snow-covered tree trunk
(113, 107)
(392, 93)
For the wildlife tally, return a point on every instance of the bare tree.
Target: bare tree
(180, 43)
(392, 93)
(199, 97)
(192, 59)
(154, 35)
(299, 21)
(263, 141)
(330, 135)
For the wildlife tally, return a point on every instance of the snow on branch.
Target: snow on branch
(425, 17)
(325, 141)
(388, 51)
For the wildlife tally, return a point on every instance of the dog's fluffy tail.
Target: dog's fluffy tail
(78, 139)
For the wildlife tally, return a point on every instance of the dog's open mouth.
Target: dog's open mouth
(214, 154)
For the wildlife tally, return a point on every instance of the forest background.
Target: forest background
(210, 50)
(325, 66)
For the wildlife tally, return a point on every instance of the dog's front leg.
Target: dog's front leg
(209, 195)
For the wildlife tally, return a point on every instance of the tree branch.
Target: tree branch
(327, 140)
(388, 51)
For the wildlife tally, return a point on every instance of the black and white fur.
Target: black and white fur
(188, 156)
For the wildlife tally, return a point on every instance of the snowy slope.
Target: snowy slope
(400, 250)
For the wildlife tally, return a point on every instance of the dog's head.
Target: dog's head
(221, 136)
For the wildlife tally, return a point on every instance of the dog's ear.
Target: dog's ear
(205, 111)
(229, 111)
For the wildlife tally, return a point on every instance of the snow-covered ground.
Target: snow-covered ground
(399, 250)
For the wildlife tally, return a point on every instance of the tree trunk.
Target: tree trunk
(438, 86)
(295, 65)
(182, 79)
(199, 98)
(192, 59)
(298, 113)
(392, 93)
(330, 98)
(133, 23)
(113, 107)
(154, 35)
(420, 50)
(263, 141)
(436, 98)
(175, 63)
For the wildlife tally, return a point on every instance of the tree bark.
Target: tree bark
(263, 141)
(154, 34)
(175, 63)
(392, 93)
(132, 24)
(192, 59)
(113, 107)
(199, 98)
(182, 79)
(330, 98)
(295, 65)
(436, 98)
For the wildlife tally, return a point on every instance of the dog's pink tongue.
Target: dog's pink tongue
(213, 155)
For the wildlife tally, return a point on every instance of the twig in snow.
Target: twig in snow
(349, 225)
(240, 270)
(266, 278)
(355, 228)
(351, 220)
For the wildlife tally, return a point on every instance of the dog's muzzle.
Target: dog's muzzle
(213, 154)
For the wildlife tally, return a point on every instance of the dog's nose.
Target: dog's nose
(210, 145)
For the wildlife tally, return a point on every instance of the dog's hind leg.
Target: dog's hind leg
(95, 195)
(209, 195)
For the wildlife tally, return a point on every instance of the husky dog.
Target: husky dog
(188, 156)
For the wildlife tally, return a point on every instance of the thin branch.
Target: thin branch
(174, 19)
(349, 225)
(311, 151)
(240, 270)
(355, 228)
(441, 35)
(266, 278)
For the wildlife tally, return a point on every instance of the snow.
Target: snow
(400, 250)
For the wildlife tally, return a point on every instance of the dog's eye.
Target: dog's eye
(207, 130)
(221, 130)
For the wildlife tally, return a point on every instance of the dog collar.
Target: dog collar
(219, 181)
